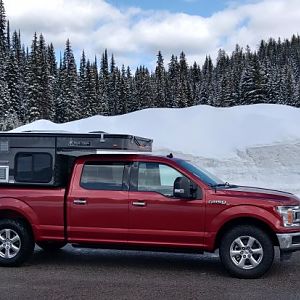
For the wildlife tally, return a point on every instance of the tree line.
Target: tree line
(34, 85)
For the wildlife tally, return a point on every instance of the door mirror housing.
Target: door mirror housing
(184, 188)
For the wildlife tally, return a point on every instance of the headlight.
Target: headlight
(290, 215)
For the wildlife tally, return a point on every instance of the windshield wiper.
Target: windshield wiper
(225, 185)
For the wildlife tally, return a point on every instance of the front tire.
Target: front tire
(16, 243)
(246, 252)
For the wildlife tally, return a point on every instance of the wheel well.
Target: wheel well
(245, 221)
(11, 214)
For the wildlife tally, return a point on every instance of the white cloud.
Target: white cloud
(134, 34)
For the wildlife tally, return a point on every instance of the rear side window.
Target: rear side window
(33, 167)
(106, 176)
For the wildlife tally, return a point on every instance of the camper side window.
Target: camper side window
(33, 167)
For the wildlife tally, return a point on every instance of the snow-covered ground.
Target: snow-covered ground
(250, 145)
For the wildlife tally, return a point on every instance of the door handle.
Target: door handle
(79, 202)
(139, 203)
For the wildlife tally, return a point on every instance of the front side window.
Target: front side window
(104, 176)
(155, 177)
(33, 167)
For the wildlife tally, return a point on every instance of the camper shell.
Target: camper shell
(46, 158)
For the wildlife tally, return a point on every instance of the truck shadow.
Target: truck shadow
(143, 261)
(70, 257)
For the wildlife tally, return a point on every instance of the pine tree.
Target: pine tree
(113, 88)
(103, 96)
(142, 88)
(83, 101)
(34, 90)
(123, 97)
(90, 89)
(131, 102)
(206, 93)
(237, 63)
(160, 82)
(51, 58)
(185, 95)
(14, 84)
(173, 83)
(196, 81)
(68, 98)
(3, 37)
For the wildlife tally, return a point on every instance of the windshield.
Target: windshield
(202, 174)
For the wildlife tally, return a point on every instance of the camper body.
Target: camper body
(46, 158)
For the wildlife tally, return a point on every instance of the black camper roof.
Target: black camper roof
(70, 141)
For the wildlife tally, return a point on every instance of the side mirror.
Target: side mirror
(184, 188)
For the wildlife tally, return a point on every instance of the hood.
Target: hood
(258, 193)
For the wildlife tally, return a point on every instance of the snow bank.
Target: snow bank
(201, 131)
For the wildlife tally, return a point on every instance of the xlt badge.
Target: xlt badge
(223, 202)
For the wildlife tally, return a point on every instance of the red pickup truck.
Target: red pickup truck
(148, 202)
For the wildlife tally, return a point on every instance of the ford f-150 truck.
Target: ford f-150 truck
(148, 202)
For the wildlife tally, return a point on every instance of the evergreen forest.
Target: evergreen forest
(34, 85)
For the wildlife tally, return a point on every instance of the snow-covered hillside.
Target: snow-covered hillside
(257, 144)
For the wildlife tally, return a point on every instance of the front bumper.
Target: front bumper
(289, 242)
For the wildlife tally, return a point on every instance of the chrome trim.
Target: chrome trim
(79, 202)
(286, 241)
(139, 203)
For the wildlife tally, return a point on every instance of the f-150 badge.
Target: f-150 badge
(223, 202)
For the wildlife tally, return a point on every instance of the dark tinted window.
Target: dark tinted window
(33, 167)
(107, 176)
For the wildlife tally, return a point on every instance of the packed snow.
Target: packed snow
(250, 145)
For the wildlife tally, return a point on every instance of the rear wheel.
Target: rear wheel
(246, 252)
(16, 242)
(51, 246)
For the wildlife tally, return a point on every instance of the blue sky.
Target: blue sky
(203, 8)
(135, 30)
(198, 7)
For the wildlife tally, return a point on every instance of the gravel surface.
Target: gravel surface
(104, 274)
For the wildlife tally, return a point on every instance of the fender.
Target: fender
(237, 212)
(21, 208)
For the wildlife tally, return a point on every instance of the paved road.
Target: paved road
(103, 274)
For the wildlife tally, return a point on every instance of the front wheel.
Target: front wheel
(16, 243)
(246, 252)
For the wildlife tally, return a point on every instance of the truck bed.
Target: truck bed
(42, 206)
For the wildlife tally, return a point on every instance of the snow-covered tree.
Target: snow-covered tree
(68, 98)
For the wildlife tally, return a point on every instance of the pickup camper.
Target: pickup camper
(109, 191)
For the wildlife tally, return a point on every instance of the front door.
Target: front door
(155, 216)
(98, 203)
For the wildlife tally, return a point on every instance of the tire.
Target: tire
(51, 246)
(246, 252)
(16, 242)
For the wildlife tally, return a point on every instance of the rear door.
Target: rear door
(98, 203)
(155, 216)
